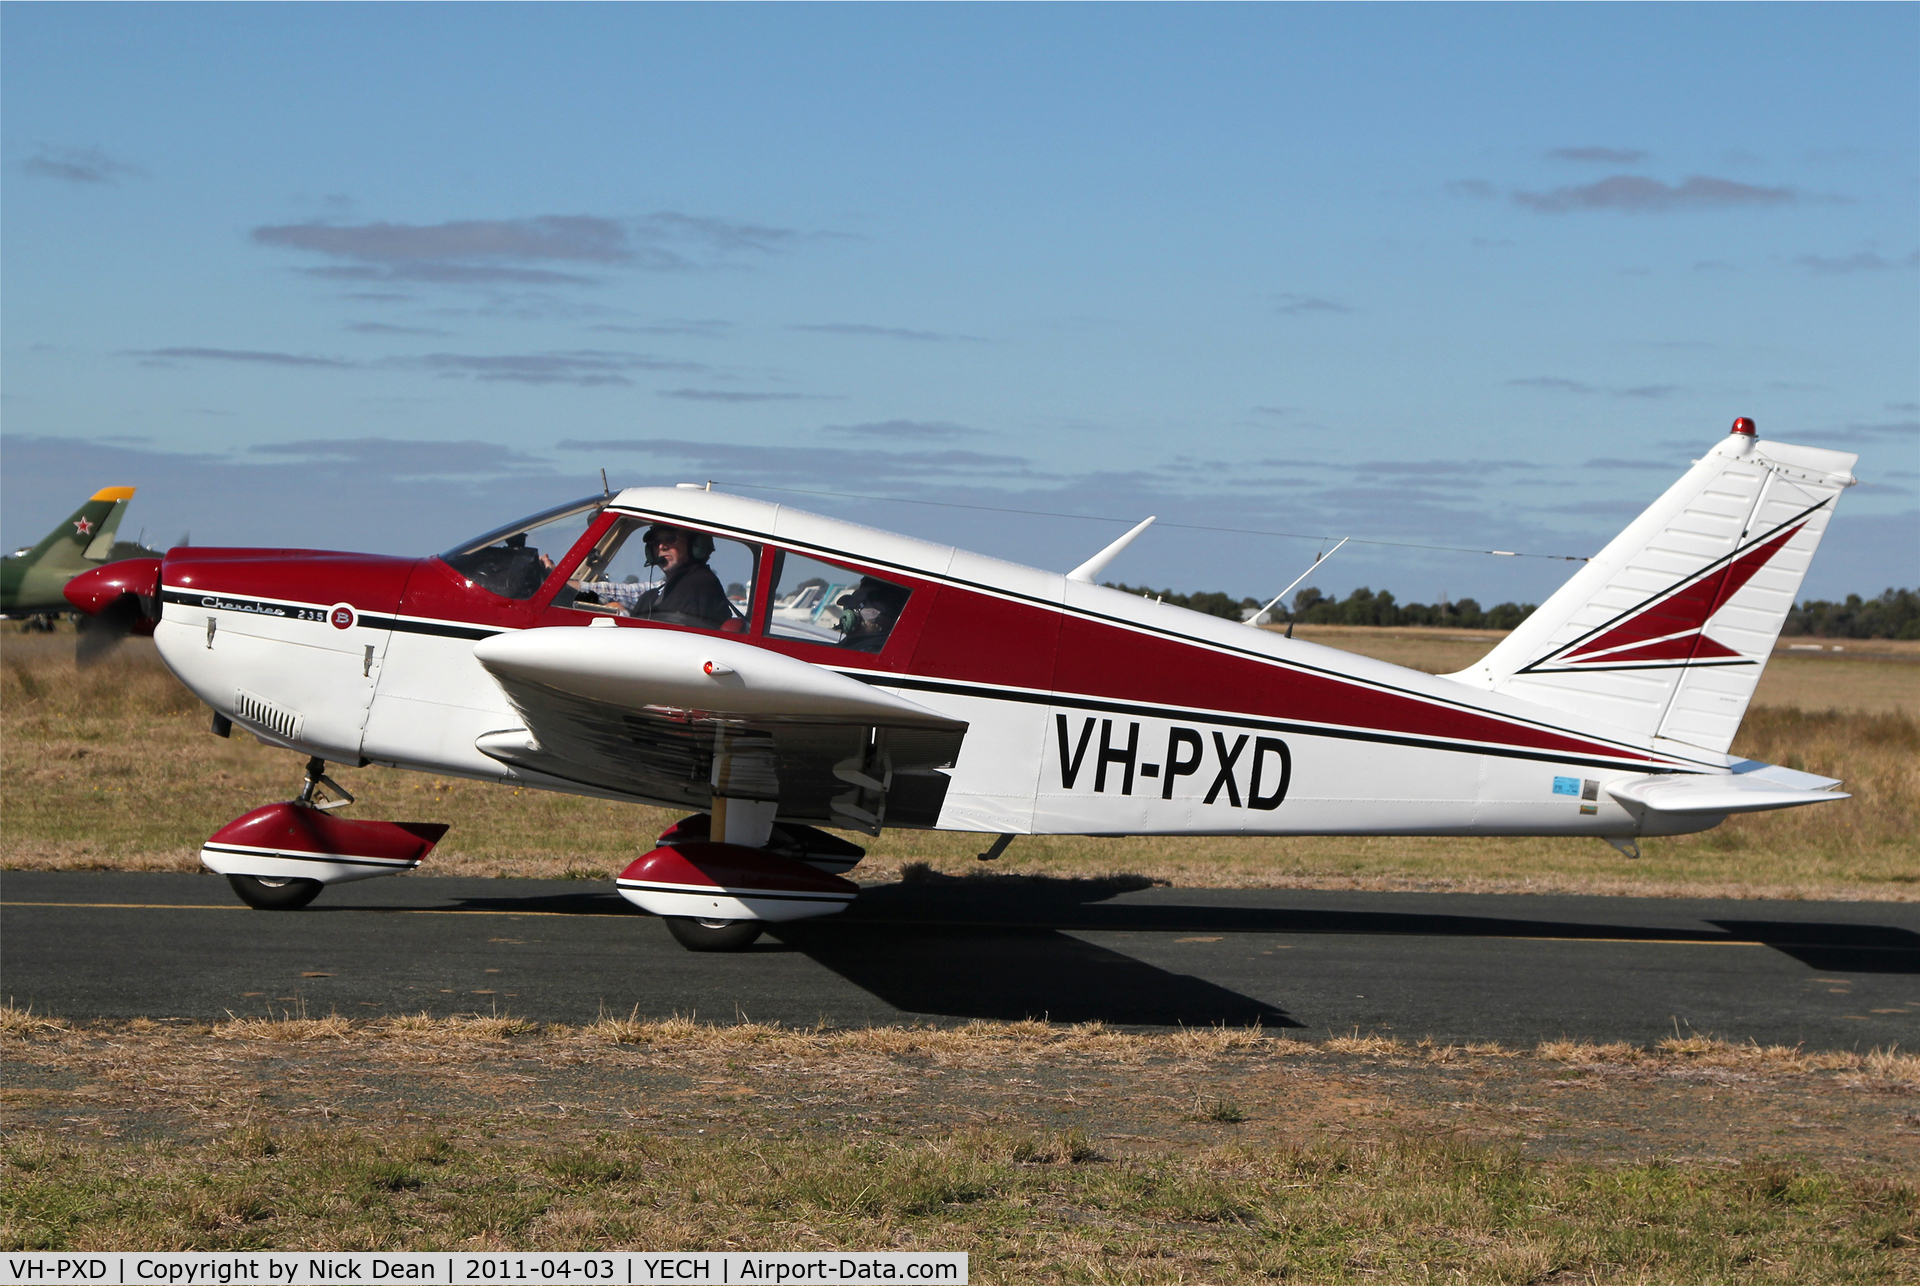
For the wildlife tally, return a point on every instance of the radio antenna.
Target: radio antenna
(1254, 620)
(605, 490)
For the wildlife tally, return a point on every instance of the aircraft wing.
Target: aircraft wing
(648, 712)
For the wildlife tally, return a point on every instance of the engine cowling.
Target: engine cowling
(93, 592)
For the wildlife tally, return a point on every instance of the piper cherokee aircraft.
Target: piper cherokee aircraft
(774, 672)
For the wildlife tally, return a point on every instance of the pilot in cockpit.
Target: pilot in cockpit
(690, 594)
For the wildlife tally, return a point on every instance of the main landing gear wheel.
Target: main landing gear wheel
(274, 893)
(713, 935)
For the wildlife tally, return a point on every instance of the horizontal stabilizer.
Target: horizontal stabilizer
(1715, 795)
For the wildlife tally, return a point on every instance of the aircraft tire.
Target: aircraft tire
(713, 935)
(271, 893)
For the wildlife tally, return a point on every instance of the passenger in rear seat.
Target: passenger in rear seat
(869, 613)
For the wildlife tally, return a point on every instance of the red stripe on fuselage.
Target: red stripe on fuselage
(953, 633)
(1098, 659)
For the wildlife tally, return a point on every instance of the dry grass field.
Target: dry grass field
(1049, 1153)
(113, 768)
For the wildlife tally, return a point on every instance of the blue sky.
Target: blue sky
(379, 277)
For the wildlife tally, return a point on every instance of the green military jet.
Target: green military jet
(31, 580)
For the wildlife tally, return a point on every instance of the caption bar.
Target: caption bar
(636, 1268)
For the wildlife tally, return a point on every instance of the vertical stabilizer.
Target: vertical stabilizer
(1666, 631)
(69, 546)
(100, 548)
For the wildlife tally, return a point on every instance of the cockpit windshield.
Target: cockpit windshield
(513, 561)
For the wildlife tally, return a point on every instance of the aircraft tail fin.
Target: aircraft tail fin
(85, 539)
(1666, 631)
(100, 549)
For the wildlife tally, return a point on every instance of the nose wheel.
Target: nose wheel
(714, 935)
(274, 893)
(279, 856)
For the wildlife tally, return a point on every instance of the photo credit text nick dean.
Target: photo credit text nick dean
(621, 1268)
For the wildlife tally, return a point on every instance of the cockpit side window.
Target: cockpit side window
(660, 571)
(826, 603)
(513, 561)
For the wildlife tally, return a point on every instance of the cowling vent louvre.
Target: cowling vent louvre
(264, 714)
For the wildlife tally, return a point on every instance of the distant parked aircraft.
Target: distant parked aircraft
(32, 580)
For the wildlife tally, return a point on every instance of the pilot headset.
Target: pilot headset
(699, 543)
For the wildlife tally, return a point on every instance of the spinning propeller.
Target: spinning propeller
(114, 601)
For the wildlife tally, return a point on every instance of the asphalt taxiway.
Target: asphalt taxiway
(1456, 967)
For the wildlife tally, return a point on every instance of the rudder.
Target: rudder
(1666, 631)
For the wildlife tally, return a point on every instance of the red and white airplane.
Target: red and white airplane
(773, 672)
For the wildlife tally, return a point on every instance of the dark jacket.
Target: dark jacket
(690, 597)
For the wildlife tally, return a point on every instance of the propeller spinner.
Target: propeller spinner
(114, 602)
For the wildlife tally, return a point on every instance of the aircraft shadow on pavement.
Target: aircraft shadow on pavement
(996, 946)
(589, 901)
(1835, 948)
(1055, 903)
(1010, 974)
(972, 971)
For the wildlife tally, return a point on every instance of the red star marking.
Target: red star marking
(84, 527)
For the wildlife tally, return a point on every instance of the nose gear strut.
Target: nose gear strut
(316, 779)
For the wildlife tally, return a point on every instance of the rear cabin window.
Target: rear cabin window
(663, 572)
(837, 606)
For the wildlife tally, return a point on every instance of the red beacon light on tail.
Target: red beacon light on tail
(1745, 426)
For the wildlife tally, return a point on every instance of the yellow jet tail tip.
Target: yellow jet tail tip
(114, 493)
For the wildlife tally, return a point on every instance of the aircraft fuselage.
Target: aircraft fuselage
(1088, 711)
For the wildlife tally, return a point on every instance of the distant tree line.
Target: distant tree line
(1214, 604)
(1364, 607)
(1895, 614)
(1361, 607)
